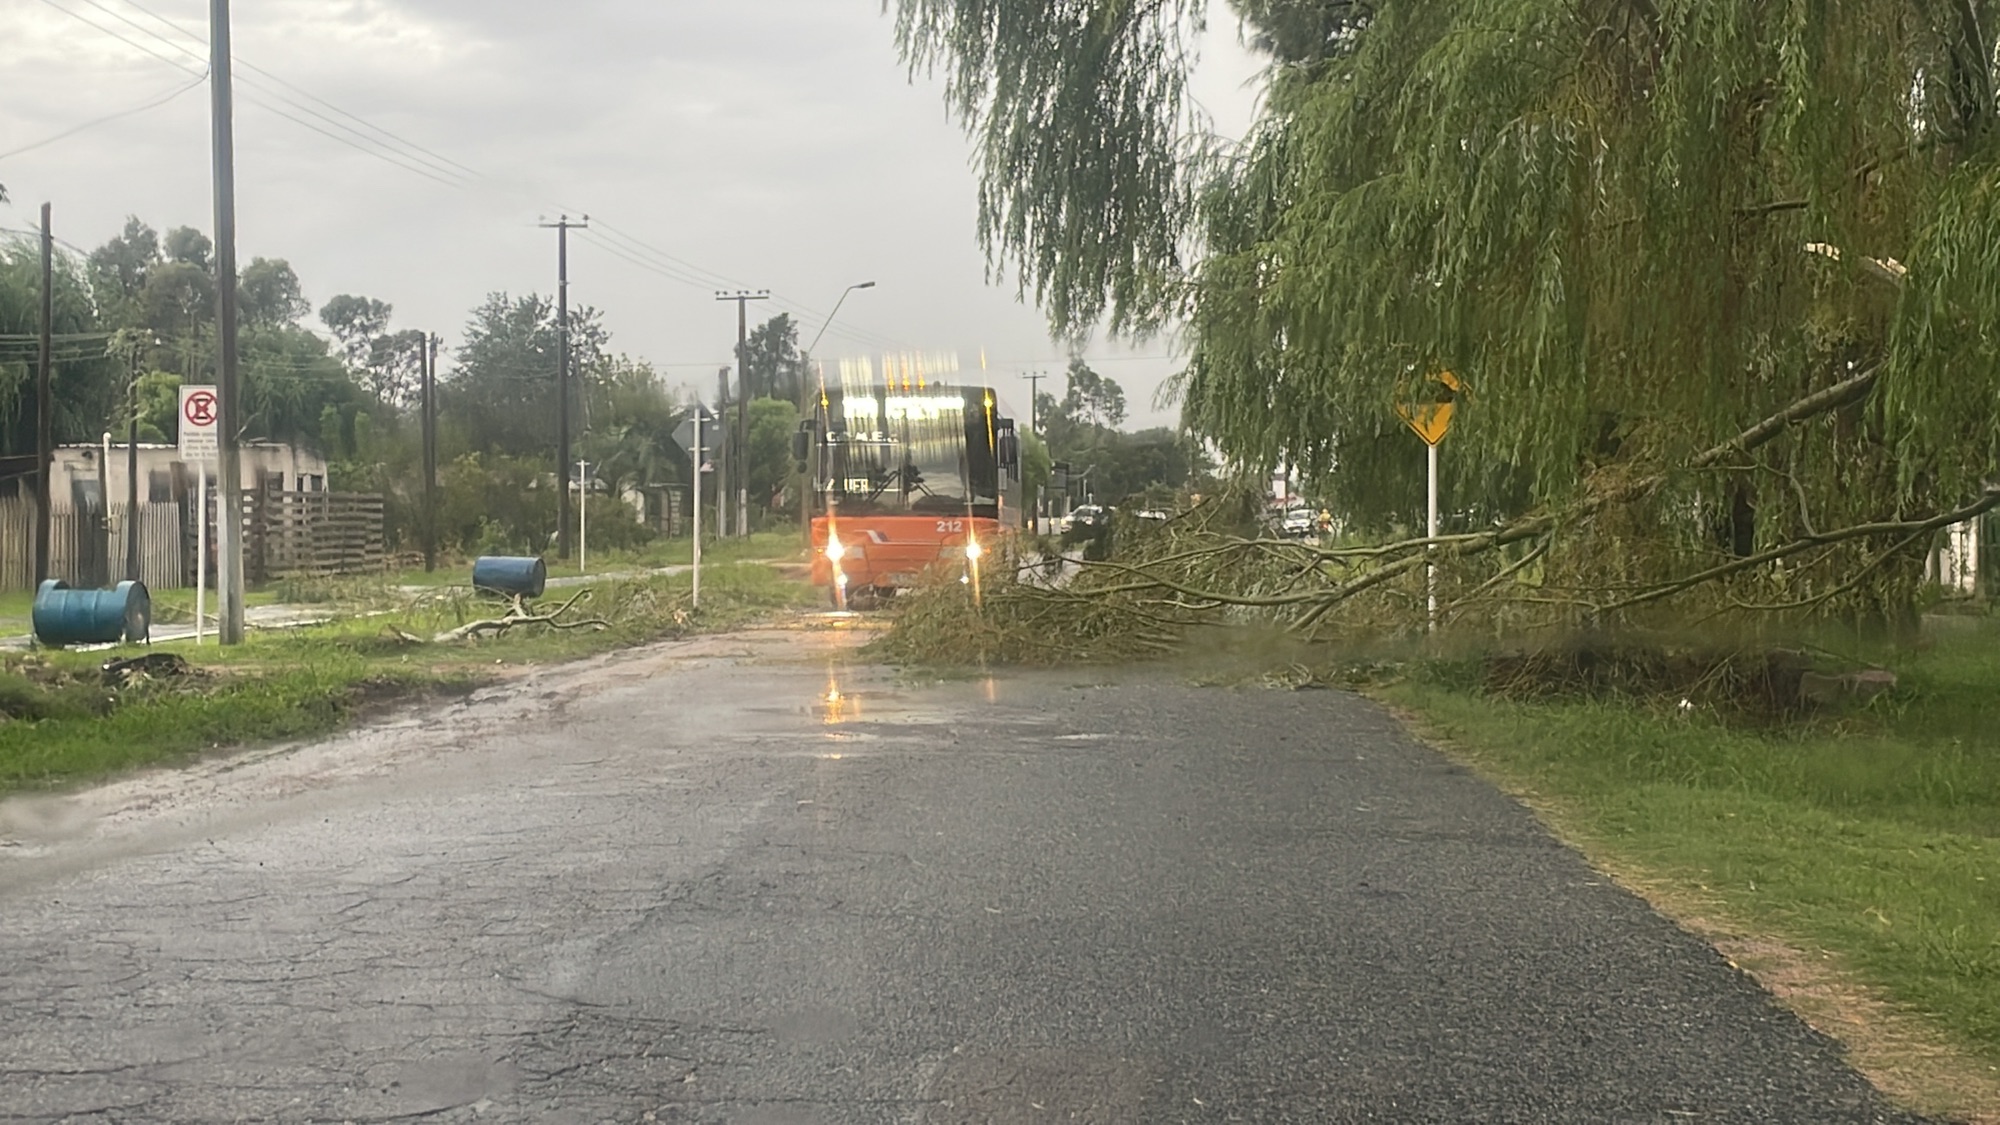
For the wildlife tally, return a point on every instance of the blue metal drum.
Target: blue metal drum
(503, 574)
(63, 616)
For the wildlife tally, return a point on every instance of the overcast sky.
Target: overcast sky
(763, 144)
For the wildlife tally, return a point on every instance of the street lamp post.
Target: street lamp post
(811, 476)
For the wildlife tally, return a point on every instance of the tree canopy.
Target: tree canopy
(1633, 228)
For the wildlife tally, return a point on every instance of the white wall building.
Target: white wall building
(83, 471)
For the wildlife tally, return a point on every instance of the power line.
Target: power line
(109, 117)
(405, 142)
(112, 32)
(681, 266)
(439, 165)
(694, 282)
(432, 165)
(389, 156)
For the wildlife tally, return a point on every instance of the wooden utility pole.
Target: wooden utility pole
(45, 403)
(427, 361)
(740, 463)
(562, 227)
(229, 414)
(1034, 395)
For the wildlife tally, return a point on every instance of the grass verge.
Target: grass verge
(61, 723)
(1853, 864)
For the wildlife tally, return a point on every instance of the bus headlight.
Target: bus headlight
(834, 549)
(973, 550)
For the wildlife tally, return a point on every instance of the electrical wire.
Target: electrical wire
(109, 117)
(785, 304)
(441, 160)
(677, 275)
(256, 99)
(435, 166)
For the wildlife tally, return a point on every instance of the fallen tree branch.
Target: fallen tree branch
(1986, 502)
(518, 615)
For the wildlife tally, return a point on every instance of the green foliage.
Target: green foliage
(494, 503)
(1632, 228)
(84, 382)
(772, 422)
(1108, 465)
(502, 394)
(772, 361)
(1078, 108)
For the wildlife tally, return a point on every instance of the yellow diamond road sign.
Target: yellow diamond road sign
(1432, 419)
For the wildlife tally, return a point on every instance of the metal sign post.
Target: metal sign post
(200, 548)
(582, 517)
(200, 426)
(1431, 420)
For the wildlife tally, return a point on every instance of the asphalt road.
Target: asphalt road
(749, 879)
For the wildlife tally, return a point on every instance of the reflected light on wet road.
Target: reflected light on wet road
(835, 707)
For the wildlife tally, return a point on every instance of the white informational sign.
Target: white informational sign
(201, 418)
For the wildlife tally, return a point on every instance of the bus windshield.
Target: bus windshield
(921, 451)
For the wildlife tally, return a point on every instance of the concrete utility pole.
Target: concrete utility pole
(740, 463)
(722, 454)
(427, 361)
(45, 403)
(229, 525)
(562, 227)
(134, 526)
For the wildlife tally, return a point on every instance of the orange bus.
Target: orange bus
(906, 478)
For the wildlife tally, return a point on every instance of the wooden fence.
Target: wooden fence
(86, 549)
(284, 533)
(311, 533)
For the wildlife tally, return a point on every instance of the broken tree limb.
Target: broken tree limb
(1405, 556)
(518, 615)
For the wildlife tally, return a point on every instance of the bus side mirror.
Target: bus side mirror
(802, 444)
(1009, 450)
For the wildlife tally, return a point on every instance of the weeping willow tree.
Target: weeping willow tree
(1720, 276)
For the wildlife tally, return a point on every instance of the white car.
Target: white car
(1299, 523)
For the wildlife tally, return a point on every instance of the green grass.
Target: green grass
(16, 608)
(763, 546)
(170, 723)
(1875, 836)
(301, 682)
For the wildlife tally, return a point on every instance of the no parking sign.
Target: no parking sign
(201, 418)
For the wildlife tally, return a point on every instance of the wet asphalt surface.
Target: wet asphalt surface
(751, 879)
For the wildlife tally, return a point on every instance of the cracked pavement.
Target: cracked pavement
(753, 879)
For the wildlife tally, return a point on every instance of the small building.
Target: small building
(89, 538)
(82, 476)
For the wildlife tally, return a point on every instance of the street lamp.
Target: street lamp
(836, 311)
(809, 477)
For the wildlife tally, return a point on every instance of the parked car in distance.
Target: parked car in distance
(1088, 515)
(1299, 523)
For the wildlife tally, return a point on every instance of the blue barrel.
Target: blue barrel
(503, 574)
(63, 616)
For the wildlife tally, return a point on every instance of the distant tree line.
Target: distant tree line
(135, 319)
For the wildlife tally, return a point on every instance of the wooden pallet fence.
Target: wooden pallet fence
(312, 533)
